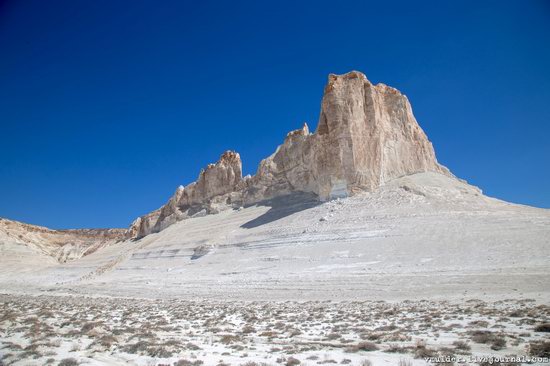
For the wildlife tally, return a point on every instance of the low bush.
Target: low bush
(543, 328)
(363, 346)
(539, 349)
(68, 362)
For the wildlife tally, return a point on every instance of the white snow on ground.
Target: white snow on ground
(114, 331)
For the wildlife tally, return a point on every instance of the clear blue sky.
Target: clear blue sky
(107, 106)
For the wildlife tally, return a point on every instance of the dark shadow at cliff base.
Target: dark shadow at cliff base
(283, 206)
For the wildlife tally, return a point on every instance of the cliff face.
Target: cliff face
(366, 136)
(215, 182)
(63, 245)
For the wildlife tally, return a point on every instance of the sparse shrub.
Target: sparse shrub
(68, 362)
(107, 341)
(229, 338)
(268, 333)
(192, 346)
(479, 323)
(136, 347)
(386, 328)
(363, 346)
(481, 336)
(371, 336)
(291, 361)
(421, 351)
(539, 349)
(461, 345)
(394, 348)
(543, 328)
(184, 362)
(160, 352)
(89, 326)
(516, 314)
(498, 343)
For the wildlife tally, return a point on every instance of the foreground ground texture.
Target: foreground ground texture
(69, 330)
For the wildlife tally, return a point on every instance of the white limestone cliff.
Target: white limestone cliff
(215, 181)
(366, 136)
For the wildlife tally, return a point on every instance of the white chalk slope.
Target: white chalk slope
(425, 235)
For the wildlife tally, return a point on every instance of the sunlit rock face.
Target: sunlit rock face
(62, 245)
(366, 136)
(209, 194)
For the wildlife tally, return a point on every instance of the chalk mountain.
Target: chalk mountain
(366, 136)
(358, 209)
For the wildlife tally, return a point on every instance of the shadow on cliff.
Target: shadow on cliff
(283, 206)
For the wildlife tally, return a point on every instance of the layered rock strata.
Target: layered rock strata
(63, 245)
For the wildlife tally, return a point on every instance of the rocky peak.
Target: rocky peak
(230, 158)
(304, 131)
(216, 180)
(366, 136)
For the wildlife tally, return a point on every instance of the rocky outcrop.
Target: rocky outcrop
(63, 245)
(214, 188)
(366, 136)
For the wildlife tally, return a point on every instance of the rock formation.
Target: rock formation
(215, 182)
(63, 245)
(366, 136)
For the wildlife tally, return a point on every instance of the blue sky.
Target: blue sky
(107, 106)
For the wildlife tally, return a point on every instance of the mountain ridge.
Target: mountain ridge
(366, 136)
